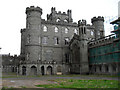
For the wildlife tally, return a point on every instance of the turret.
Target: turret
(69, 12)
(33, 33)
(53, 10)
(98, 23)
(84, 68)
(82, 28)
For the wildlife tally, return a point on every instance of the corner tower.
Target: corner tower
(33, 33)
(98, 23)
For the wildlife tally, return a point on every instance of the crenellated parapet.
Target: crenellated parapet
(32, 8)
(82, 22)
(99, 18)
(58, 16)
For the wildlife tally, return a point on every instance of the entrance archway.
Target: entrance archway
(33, 70)
(23, 70)
(42, 70)
(49, 70)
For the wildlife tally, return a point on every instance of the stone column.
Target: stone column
(103, 68)
(97, 69)
(28, 70)
(110, 69)
(45, 69)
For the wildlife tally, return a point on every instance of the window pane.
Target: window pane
(66, 30)
(44, 28)
(56, 29)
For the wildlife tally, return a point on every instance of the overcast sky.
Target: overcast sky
(13, 17)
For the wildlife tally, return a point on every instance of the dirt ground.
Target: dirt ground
(24, 83)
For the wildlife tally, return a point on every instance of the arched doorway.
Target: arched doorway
(23, 70)
(42, 70)
(49, 70)
(33, 70)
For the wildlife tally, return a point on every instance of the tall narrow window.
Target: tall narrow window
(44, 40)
(28, 39)
(75, 31)
(44, 28)
(67, 57)
(56, 29)
(66, 30)
(66, 41)
(91, 33)
(56, 40)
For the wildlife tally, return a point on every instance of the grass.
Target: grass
(13, 75)
(72, 83)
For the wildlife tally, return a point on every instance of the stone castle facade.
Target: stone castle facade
(57, 45)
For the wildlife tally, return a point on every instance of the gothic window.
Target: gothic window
(98, 32)
(66, 30)
(83, 30)
(56, 29)
(56, 40)
(91, 33)
(66, 41)
(65, 20)
(44, 40)
(28, 39)
(75, 31)
(58, 20)
(66, 57)
(44, 28)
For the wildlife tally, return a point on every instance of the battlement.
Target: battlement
(32, 8)
(99, 18)
(23, 30)
(82, 22)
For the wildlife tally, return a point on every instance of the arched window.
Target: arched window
(66, 41)
(58, 20)
(44, 40)
(56, 39)
(44, 28)
(65, 20)
(91, 33)
(56, 29)
(75, 31)
(66, 30)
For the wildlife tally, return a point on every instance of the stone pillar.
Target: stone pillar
(20, 70)
(103, 68)
(117, 68)
(110, 69)
(38, 70)
(28, 69)
(97, 69)
(45, 70)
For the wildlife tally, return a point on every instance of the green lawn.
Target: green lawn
(72, 83)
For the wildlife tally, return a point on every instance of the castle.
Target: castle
(60, 46)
